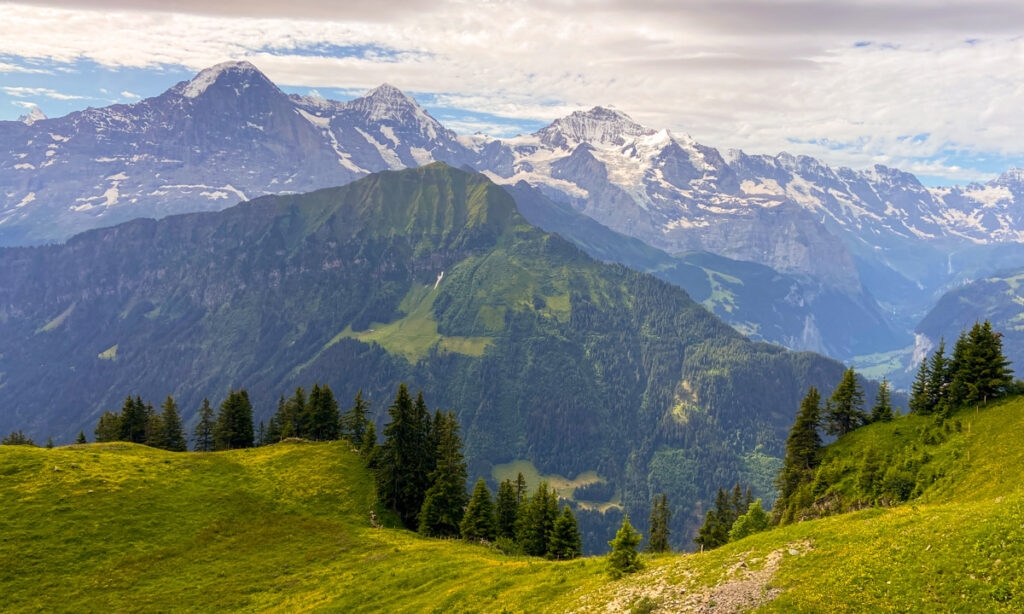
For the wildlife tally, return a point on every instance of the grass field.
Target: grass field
(286, 528)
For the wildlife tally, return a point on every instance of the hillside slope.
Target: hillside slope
(286, 528)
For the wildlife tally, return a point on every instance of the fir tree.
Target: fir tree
(108, 427)
(803, 451)
(507, 510)
(566, 542)
(985, 372)
(845, 412)
(918, 403)
(938, 380)
(520, 489)
(234, 422)
(401, 461)
(154, 428)
(753, 521)
(49, 443)
(354, 422)
(882, 411)
(81, 438)
(957, 376)
(292, 413)
(537, 518)
(657, 541)
(261, 435)
(202, 435)
(445, 501)
(624, 558)
(323, 419)
(478, 523)
(368, 448)
(133, 420)
(274, 429)
(173, 434)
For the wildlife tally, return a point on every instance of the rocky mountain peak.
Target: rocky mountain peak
(1012, 177)
(32, 116)
(240, 75)
(598, 126)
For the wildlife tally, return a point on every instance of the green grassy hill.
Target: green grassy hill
(287, 528)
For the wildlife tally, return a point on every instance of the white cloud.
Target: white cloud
(6, 67)
(129, 95)
(763, 76)
(24, 92)
(25, 104)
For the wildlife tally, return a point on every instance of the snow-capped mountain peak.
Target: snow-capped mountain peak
(32, 116)
(243, 70)
(1012, 177)
(598, 126)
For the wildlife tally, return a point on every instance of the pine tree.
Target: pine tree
(234, 422)
(17, 438)
(478, 524)
(882, 411)
(292, 414)
(520, 489)
(401, 461)
(274, 429)
(326, 419)
(624, 558)
(354, 422)
(261, 435)
(938, 380)
(537, 518)
(81, 437)
(958, 376)
(133, 421)
(430, 429)
(108, 427)
(506, 510)
(202, 435)
(368, 449)
(445, 501)
(657, 541)
(918, 403)
(173, 434)
(566, 542)
(984, 373)
(753, 521)
(803, 449)
(845, 412)
(154, 427)
(49, 443)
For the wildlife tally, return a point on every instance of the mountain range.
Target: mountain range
(876, 245)
(427, 276)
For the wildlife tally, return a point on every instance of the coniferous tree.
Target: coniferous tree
(657, 541)
(983, 373)
(537, 518)
(753, 521)
(134, 420)
(354, 422)
(401, 473)
(845, 412)
(918, 403)
(108, 427)
(520, 489)
(368, 449)
(882, 410)
(566, 542)
(430, 429)
(293, 412)
(234, 422)
(17, 438)
(49, 443)
(803, 448)
(154, 427)
(326, 419)
(958, 368)
(202, 435)
(173, 434)
(938, 380)
(445, 501)
(506, 510)
(261, 435)
(478, 524)
(275, 432)
(624, 558)
(81, 437)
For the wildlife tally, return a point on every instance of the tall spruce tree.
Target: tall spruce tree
(566, 542)
(293, 412)
(108, 427)
(154, 427)
(938, 380)
(401, 473)
(275, 432)
(803, 448)
(918, 403)
(984, 373)
(324, 417)
(445, 501)
(368, 447)
(134, 420)
(537, 518)
(624, 558)
(353, 423)
(81, 437)
(173, 434)
(657, 540)
(202, 434)
(846, 410)
(882, 410)
(234, 422)
(478, 524)
(506, 510)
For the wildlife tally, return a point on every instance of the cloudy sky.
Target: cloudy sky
(932, 87)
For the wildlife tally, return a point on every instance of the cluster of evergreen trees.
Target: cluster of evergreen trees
(718, 522)
(421, 475)
(139, 422)
(977, 372)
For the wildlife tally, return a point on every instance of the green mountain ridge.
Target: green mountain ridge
(290, 528)
(427, 276)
